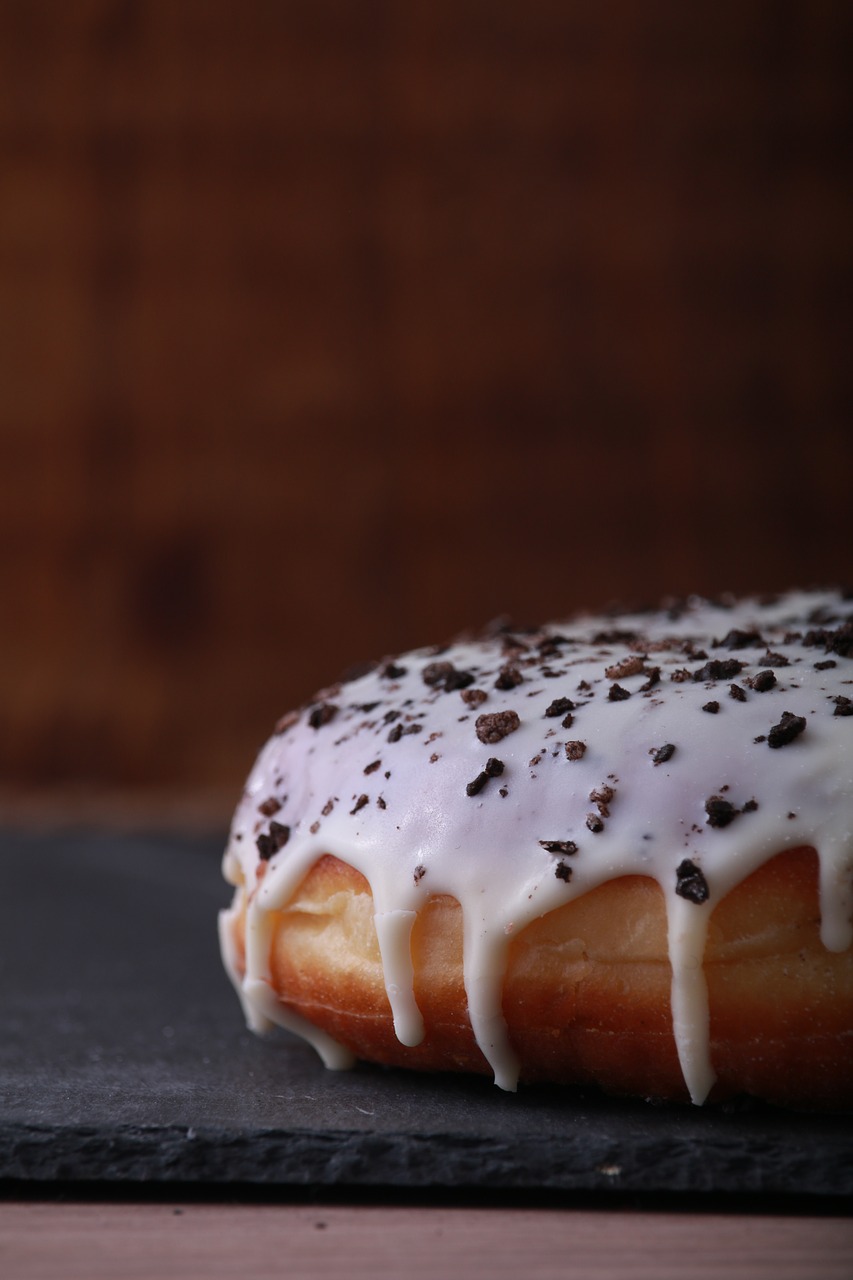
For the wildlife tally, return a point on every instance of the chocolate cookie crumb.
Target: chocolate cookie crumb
(278, 837)
(371, 768)
(509, 677)
(559, 707)
(601, 798)
(420, 872)
(774, 660)
(740, 640)
(401, 730)
(711, 707)
(443, 675)
(269, 807)
(690, 882)
(575, 750)
(617, 694)
(495, 725)
(631, 666)
(559, 846)
(788, 728)
(718, 670)
(737, 693)
(660, 755)
(563, 871)
(359, 804)
(322, 714)
(494, 768)
(594, 823)
(392, 672)
(473, 697)
(287, 721)
(720, 812)
(763, 681)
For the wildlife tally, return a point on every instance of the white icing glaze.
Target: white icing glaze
(410, 826)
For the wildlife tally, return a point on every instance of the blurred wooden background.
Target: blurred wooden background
(327, 329)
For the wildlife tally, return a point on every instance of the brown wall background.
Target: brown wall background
(329, 329)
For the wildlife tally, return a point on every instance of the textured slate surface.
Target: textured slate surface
(123, 1059)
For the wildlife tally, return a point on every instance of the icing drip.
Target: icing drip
(394, 931)
(518, 772)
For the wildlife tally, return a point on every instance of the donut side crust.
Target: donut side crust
(586, 994)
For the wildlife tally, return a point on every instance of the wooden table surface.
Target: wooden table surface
(207, 1241)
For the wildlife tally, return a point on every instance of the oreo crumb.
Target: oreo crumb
(617, 694)
(594, 823)
(286, 722)
(737, 693)
(838, 641)
(559, 846)
(843, 706)
(660, 755)
(392, 672)
(509, 677)
(359, 804)
(380, 803)
(718, 670)
(559, 707)
(420, 872)
(563, 871)
(371, 768)
(322, 714)
(680, 676)
(278, 837)
(825, 666)
(494, 768)
(443, 675)
(720, 812)
(575, 750)
(269, 807)
(774, 660)
(690, 882)
(400, 730)
(740, 640)
(788, 728)
(763, 681)
(473, 697)
(653, 679)
(494, 726)
(601, 798)
(631, 666)
(711, 707)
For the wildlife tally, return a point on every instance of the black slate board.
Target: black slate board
(124, 1060)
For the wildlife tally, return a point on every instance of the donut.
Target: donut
(614, 851)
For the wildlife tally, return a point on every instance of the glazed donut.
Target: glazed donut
(616, 851)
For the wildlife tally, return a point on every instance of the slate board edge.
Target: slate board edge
(300, 1158)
